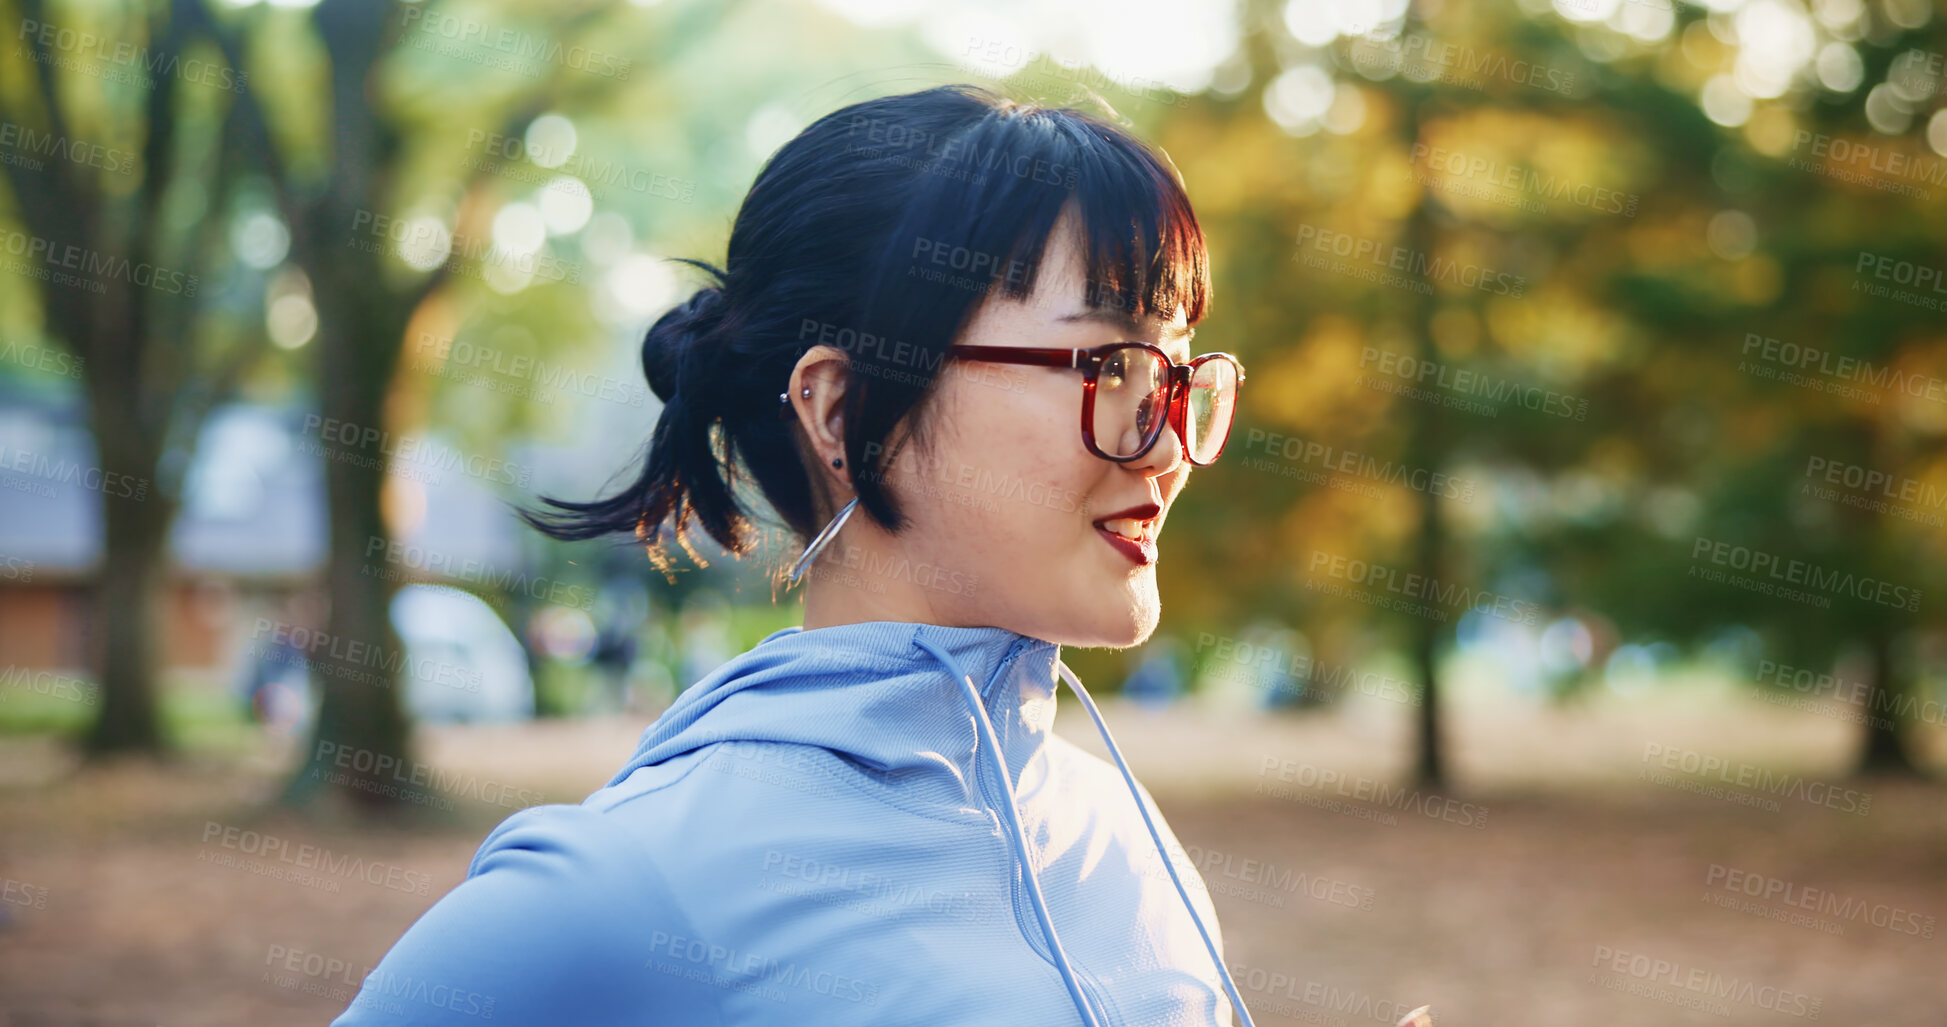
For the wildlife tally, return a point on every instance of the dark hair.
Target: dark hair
(841, 236)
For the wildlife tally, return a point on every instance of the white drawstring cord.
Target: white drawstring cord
(1018, 834)
(1168, 864)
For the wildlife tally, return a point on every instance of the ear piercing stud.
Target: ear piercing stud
(784, 397)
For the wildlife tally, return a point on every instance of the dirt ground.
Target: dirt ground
(1559, 886)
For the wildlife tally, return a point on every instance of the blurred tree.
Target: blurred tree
(146, 238)
(1655, 236)
(412, 134)
(341, 212)
(1703, 438)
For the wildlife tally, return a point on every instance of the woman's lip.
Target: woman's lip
(1142, 554)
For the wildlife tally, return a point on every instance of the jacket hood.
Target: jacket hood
(876, 693)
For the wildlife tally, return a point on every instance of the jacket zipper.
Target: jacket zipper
(1017, 884)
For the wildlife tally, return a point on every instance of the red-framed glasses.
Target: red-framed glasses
(1130, 390)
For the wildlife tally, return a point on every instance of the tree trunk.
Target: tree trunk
(1885, 754)
(1429, 765)
(127, 603)
(1425, 448)
(362, 733)
(133, 343)
(361, 726)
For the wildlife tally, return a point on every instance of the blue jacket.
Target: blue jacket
(820, 832)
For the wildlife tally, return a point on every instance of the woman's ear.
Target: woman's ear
(825, 371)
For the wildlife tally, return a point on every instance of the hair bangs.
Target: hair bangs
(997, 191)
(1143, 249)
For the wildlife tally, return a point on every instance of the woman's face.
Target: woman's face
(1008, 507)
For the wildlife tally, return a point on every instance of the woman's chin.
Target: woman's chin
(1131, 627)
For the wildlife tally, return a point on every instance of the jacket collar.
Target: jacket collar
(870, 693)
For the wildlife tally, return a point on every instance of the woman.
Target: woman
(867, 819)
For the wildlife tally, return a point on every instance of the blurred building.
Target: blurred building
(250, 535)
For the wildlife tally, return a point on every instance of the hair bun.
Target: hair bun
(675, 342)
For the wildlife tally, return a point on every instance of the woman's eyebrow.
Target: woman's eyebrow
(1129, 324)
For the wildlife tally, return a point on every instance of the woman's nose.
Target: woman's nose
(1163, 457)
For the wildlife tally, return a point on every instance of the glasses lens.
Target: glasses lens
(1213, 405)
(1130, 393)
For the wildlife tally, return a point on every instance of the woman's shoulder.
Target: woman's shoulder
(580, 835)
(1095, 786)
(556, 921)
(724, 782)
(1082, 766)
